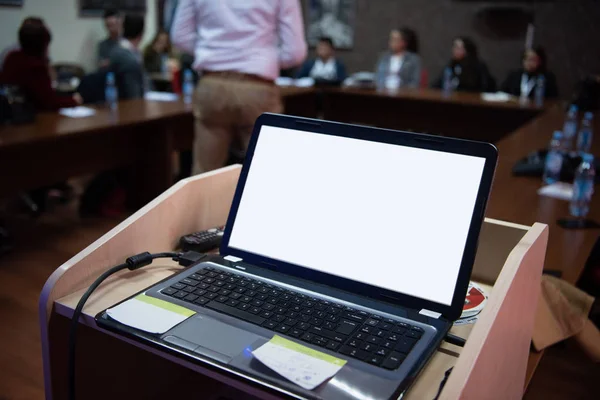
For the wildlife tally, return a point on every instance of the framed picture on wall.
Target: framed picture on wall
(12, 3)
(97, 7)
(333, 19)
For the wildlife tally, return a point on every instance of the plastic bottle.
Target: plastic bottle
(447, 86)
(554, 159)
(586, 134)
(583, 187)
(570, 127)
(111, 95)
(540, 91)
(188, 86)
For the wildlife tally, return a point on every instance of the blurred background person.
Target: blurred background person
(522, 82)
(158, 55)
(28, 68)
(400, 66)
(469, 73)
(112, 23)
(16, 46)
(126, 59)
(239, 49)
(325, 67)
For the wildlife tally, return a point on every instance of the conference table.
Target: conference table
(54, 148)
(459, 114)
(143, 136)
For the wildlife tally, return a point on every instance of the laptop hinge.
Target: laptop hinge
(430, 313)
(232, 258)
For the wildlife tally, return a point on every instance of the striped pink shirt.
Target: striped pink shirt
(256, 37)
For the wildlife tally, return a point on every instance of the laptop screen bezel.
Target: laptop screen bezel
(471, 148)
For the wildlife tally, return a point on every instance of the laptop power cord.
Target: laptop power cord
(132, 263)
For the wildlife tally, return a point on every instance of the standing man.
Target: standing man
(239, 48)
(112, 23)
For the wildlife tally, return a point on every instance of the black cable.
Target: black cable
(443, 383)
(132, 263)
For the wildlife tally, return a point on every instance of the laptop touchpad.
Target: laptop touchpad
(214, 338)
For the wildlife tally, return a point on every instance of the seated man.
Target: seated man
(126, 60)
(325, 67)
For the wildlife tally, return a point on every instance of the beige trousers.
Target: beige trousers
(225, 109)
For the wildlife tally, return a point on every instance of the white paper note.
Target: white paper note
(302, 365)
(559, 190)
(149, 314)
(498, 97)
(161, 96)
(77, 112)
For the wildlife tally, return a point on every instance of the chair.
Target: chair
(68, 76)
(65, 71)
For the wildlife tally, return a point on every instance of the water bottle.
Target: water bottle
(540, 91)
(554, 159)
(447, 82)
(188, 86)
(570, 127)
(586, 133)
(164, 64)
(111, 95)
(583, 187)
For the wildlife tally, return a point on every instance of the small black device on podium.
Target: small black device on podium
(202, 241)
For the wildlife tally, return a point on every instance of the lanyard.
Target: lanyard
(526, 85)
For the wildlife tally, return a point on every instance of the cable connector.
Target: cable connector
(139, 261)
(189, 258)
(455, 340)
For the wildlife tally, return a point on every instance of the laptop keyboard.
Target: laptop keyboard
(367, 337)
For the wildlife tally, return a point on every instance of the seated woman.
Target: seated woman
(400, 66)
(326, 66)
(158, 54)
(28, 69)
(469, 74)
(522, 82)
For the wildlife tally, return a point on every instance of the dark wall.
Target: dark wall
(569, 29)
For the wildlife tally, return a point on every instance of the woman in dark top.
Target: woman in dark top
(469, 74)
(28, 69)
(158, 53)
(522, 82)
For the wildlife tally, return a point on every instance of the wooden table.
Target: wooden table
(516, 199)
(462, 115)
(142, 136)
(54, 148)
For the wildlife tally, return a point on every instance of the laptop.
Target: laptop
(354, 241)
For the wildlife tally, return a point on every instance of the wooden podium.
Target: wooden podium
(491, 365)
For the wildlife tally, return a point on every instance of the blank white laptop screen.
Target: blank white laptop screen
(390, 216)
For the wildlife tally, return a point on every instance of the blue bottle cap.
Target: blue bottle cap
(573, 108)
(557, 135)
(588, 115)
(587, 157)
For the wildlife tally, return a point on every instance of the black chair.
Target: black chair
(92, 87)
